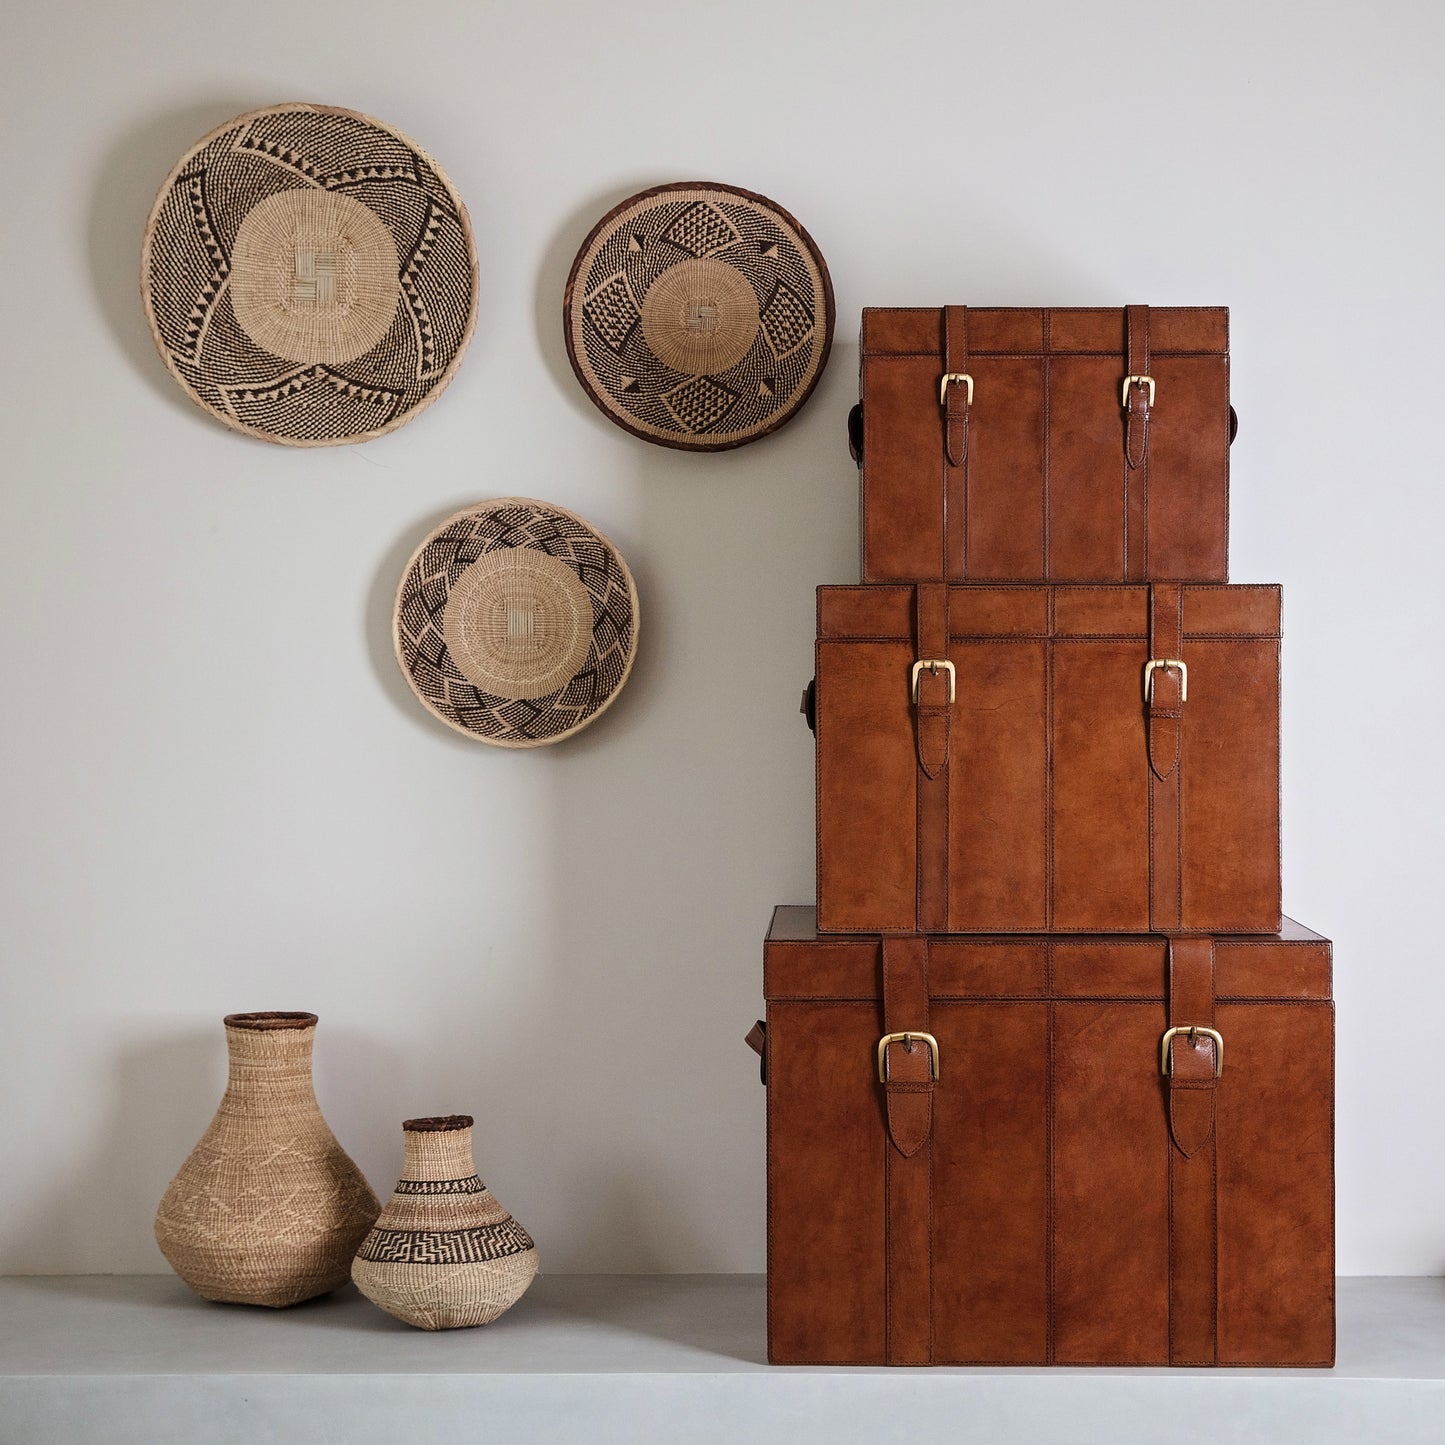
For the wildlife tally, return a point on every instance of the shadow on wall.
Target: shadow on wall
(130, 174)
(162, 1095)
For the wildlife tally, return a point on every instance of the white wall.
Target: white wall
(217, 792)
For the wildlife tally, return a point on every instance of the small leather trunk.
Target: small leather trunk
(1126, 1156)
(1073, 759)
(1072, 444)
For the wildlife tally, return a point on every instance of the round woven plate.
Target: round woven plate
(309, 276)
(516, 623)
(698, 315)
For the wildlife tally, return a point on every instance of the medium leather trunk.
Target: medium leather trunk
(1069, 444)
(1055, 1196)
(1048, 759)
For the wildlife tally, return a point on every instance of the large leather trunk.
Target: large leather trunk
(1035, 759)
(1054, 1197)
(1072, 444)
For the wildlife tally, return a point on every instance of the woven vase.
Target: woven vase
(444, 1253)
(268, 1209)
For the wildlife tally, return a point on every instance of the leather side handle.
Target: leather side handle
(855, 433)
(756, 1039)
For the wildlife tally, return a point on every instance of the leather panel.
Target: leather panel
(1293, 964)
(990, 1272)
(1086, 469)
(1111, 1186)
(1100, 789)
(827, 1278)
(902, 477)
(867, 785)
(1188, 532)
(986, 968)
(998, 781)
(1230, 793)
(1276, 1185)
(1006, 504)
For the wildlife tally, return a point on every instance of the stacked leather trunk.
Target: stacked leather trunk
(1050, 1079)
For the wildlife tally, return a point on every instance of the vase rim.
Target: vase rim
(270, 1019)
(438, 1124)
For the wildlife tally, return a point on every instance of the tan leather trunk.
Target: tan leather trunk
(1070, 444)
(1048, 759)
(1126, 1157)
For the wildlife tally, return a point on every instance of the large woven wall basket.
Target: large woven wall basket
(698, 315)
(309, 276)
(516, 623)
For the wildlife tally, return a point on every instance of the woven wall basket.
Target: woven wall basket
(516, 623)
(309, 276)
(698, 315)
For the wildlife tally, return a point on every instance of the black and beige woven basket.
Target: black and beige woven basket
(309, 276)
(516, 623)
(698, 315)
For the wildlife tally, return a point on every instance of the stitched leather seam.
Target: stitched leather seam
(1050, 870)
(874, 353)
(1076, 1364)
(1050, 1217)
(982, 638)
(1253, 939)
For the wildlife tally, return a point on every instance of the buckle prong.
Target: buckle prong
(1166, 663)
(1147, 381)
(907, 1040)
(1193, 1030)
(951, 378)
(933, 666)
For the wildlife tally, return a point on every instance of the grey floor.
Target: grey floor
(596, 1358)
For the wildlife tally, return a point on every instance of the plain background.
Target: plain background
(217, 793)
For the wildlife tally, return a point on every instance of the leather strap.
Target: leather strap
(956, 409)
(1193, 1199)
(908, 1099)
(1136, 446)
(933, 724)
(756, 1039)
(1164, 720)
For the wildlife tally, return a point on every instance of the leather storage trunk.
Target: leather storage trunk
(1054, 1197)
(1072, 444)
(1048, 759)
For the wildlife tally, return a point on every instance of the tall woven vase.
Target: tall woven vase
(268, 1209)
(444, 1253)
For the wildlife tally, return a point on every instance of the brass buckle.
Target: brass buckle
(1135, 381)
(933, 664)
(1192, 1030)
(1166, 663)
(949, 377)
(907, 1041)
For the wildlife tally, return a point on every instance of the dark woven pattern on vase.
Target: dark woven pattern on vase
(435, 571)
(418, 311)
(699, 316)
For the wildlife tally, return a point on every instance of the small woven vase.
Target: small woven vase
(268, 1209)
(444, 1253)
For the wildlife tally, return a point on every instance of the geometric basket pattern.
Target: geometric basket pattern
(427, 301)
(698, 228)
(435, 570)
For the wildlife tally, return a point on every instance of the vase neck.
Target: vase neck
(438, 1154)
(270, 1069)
